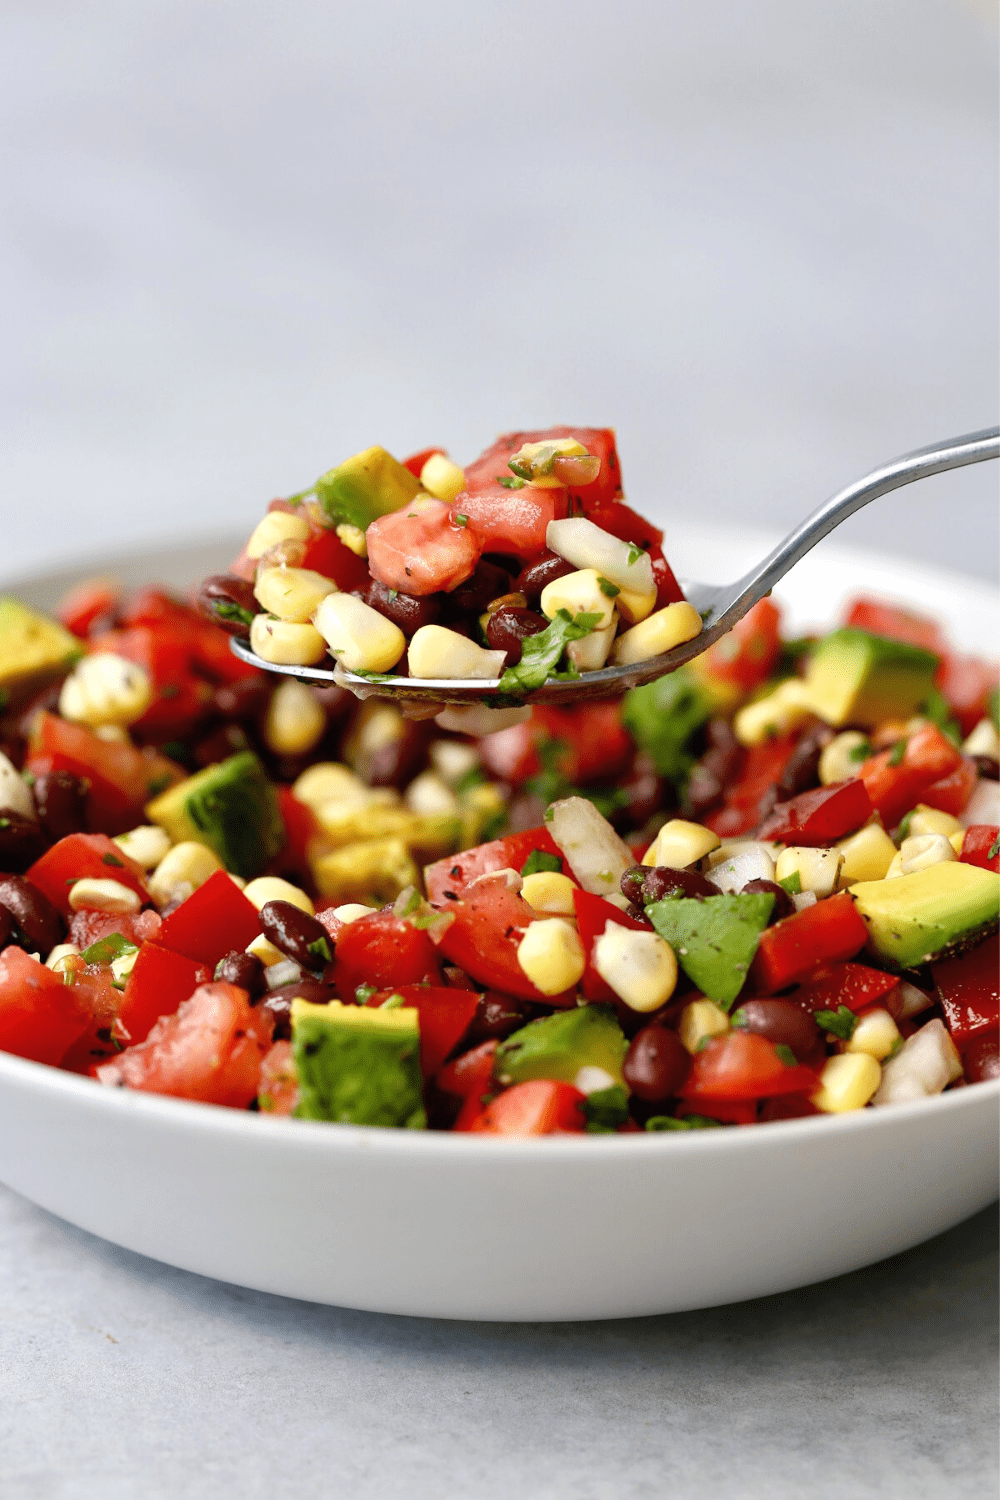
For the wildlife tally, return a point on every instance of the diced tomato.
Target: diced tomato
(445, 1016)
(159, 981)
(92, 600)
(743, 1065)
(586, 743)
(895, 785)
(854, 985)
(492, 464)
(820, 816)
(279, 1081)
(416, 461)
(668, 590)
(966, 683)
(421, 549)
(746, 655)
(593, 914)
(952, 792)
(214, 919)
(511, 521)
(87, 927)
(40, 1015)
(979, 847)
(326, 553)
(626, 524)
(483, 939)
(540, 1107)
(896, 624)
(84, 855)
(471, 1075)
(385, 951)
(456, 871)
(969, 990)
(791, 949)
(210, 1049)
(96, 989)
(122, 779)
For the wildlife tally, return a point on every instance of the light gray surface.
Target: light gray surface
(240, 241)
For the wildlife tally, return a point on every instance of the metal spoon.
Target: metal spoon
(720, 605)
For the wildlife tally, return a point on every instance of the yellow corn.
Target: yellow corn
(551, 955)
(701, 1020)
(295, 721)
(847, 1082)
(659, 632)
(277, 526)
(285, 643)
(291, 593)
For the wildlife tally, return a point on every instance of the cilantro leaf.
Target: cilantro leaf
(897, 753)
(520, 468)
(538, 861)
(460, 520)
(786, 1054)
(364, 992)
(663, 717)
(107, 949)
(840, 1022)
(540, 654)
(690, 1122)
(634, 554)
(608, 589)
(994, 849)
(112, 859)
(860, 752)
(605, 1109)
(510, 483)
(937, 710)
(792, 883)
(226, 609)
(320, 950)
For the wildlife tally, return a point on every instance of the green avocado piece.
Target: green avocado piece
(662, 716)
(362, 488)
(715, 939)
(231, 807)
(33, 650)
(558, 1046)
(854, 677)
(358, 1066)
(929, 914)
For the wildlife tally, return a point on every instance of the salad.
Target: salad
(763, 887)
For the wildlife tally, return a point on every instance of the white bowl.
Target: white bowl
(472, 1227)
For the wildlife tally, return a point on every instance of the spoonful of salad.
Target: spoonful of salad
(524, 578)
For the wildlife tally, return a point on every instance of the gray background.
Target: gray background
(239, 241)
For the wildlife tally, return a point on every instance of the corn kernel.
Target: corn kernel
(660, 632)
(277, 526)
(105, 689)
(579, 593)
(15, 792)
(284, 643)
(895, 869)
(701, 1020)
(453, 760)
(330, 781)
(634, 606)
(442, 478)
(428, 793)
(875, 1033)
(639, 966)
(984, 740)
(272, 888)
(550, 892)
(291, 593)
(956, 840)
(359, 637)
(438, 653)
(182, 870)
(103, 895)
(351, 911)
(847, 1082)
(867, 856)
(784, 709)
(922, 852)
(679, 844)
(817, 869)
(146, 845)
(264, 949)
(838, 761)
(295, 721)
(353, 538)
(924, 819)
(551, 955)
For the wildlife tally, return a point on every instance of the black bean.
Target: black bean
(508, 628)
(632, 883)
(656, 1064)
(471, 597)
(6, 927)
(245, 700)
(496, 1017)
(21, 841)
(226, 601)
(710, 776)
(408, 611)
(780, 1021)
(61, 801)
(661, 881)
(278, 1003)
(296, 933)
(40, 924)
(538, 574)
(801, 771)
(641, 793)
(244, 969)
(396, 761)
(987, 767)
(783, 903)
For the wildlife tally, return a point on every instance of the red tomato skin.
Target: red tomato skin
(966, 683)
(40, 1016)
(385, 951)
(819, 816)
(122, 779)
(979, 839)
(896, 789)
(746, 655)
(88, 602)
(540, 1107)
(302, 833)
(214, 919)
(600, 441)
(626, 524)
(471, 1075)
(854, 985)
(210, 1050)
(95, 988)
(952, 792)
(160, 980)
(743, 1065)
(511, 521)
(422, 551)
(969, 990)
(445, 1016)
(791, 949)
(326, 553)
(896, 624)
(79, 855)
(456, 871)
(279, 1086)
(594, 744)
(668, 590)
(87, 927)
(593, 914)
(483, 939)
(416, 461)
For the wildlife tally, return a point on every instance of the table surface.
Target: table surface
(762, 241)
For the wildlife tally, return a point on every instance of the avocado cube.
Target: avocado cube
(558, 1046)
(369, 485)
(854, 677)
(372, 870)
(941, 910)
(232, 808)
(715, 939)
(33, 650)
(358, 1066)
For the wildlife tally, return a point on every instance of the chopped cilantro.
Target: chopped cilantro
(786, 1054)
(634, 554)
(605, 1110)
(690, 1122)
(510, 483)
(897, 1044)
(157, 785)
(840, 1022)
(608, 589)
(937, 710)
(994, 849)
(226, 609)
(860, 752)
(363, 993)
(792, 883)
(107, 949)
(461, 520)
(540, 654)
(993, 706)
(897, 753)
(393, 1003)
(520, 468)
(663, 717)
(111, 859)
(903, 832)
(538, 861)
(548, 815)
(4, 822)
(474, 776)
(320, 950)
(393, 594)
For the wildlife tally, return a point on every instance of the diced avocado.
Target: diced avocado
(854, 677)
(231, 807)
(373, 871)
(33, 649)
(358, 1066)
(362, 488)
(715, 939)
(662, 716)
(558, 1046)
(934, 912)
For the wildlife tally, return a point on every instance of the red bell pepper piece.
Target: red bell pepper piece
(854, 985)
(791, 949)
(753, 788)
(743, 1065)
(40, 1015)
(160, 979)
(747, 654)
(445, 1016)
(302, 833)
(385, 951)
(895, 785)
(122, 779)
(969, 990)
(593, 914)
(483, 939)
(84, 855)
(820, 816)
(325, 553)
(457, 871)
(952, 792)
(897, 624)
(626, 524)
(979, 847)
(541, 1107)
(668, 590)
(470, 1075)
(214, 919)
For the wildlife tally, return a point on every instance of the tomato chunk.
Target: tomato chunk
(749, 797)
(746, 655)
(421, 549)
(456, 871)
(325, 553)
(445, 1016)
(483, 939)
(40, 1015)
(969, 990)
(491, 465)
(953, 791)
(84, 855)
(159, 981)
(966, 683)
(897, 782)
(979, 847)
(791, 949)
(385, 951)
(214, 918)
(820, 816)
(512, 521)
(87, 927)
(88, 602)
(853, 985)
(743, 1065)
(540, 1107)
(581, 744)
(470, 1075)
(897, 624)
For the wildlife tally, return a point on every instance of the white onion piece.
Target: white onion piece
(285, 972)
(984, 804)
(596, 855)
(753, 862)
